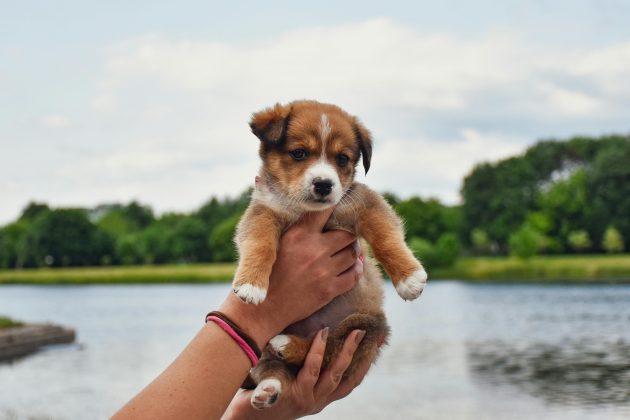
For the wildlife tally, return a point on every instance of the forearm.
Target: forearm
(199, 384)
(203, 379)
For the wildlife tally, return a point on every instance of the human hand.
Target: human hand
(311, 269)
(312, 391)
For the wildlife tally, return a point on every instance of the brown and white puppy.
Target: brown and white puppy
(310, 152)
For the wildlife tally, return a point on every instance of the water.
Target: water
(463, 351)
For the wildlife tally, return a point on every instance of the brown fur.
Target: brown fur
(284, 196)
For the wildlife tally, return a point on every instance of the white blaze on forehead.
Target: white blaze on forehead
(324, 128)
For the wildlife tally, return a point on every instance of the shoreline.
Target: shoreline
(540, 269)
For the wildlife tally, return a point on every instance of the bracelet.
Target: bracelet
(241, 338)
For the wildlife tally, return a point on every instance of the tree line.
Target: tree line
(568, 196)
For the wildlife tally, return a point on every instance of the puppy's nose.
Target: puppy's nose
(323, 187)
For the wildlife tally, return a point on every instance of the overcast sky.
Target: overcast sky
(118, 100)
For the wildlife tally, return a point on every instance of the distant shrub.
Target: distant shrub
(480, 241)
(221, 240)
(579, 240)
(448, 248)
(525, 242)
(443, 253)
(613, 241)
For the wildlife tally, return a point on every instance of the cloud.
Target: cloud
(56, 121)
(168, 122)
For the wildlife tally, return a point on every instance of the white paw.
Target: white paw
(266, 393)
(412, 286)
(278, 344)
(250, 293)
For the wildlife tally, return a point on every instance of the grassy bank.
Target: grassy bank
(194, 273)
(558, 268)
(609, 268)
(9, 323)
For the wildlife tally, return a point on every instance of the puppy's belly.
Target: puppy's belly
(328, 316)
(365, 297)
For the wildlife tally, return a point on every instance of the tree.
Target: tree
(32, 210)
(612, 241)
(221, 240)
(428, 219)
(64, 237)
(480, 241)
(609, 189)
(525, 242)
(579, 240)
(10, 249)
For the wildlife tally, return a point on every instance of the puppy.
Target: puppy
(310, 152)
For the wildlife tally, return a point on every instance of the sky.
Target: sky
(105, 102)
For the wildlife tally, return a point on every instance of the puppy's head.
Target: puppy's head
(310, 151)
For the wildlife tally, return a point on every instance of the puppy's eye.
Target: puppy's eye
(299, 154)
(342, 160)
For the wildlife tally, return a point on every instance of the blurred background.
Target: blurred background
(501, 136)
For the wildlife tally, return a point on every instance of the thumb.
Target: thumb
(316, 220)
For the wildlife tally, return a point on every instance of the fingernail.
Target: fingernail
(359, 337)
(325, 334)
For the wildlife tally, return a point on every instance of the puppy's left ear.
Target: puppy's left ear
(270, 125)
(364, 138)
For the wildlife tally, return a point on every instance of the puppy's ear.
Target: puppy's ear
(270, 124)
(364, 138)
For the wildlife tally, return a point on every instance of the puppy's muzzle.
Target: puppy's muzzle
(322, 187)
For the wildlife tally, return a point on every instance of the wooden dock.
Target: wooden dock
(20, 341)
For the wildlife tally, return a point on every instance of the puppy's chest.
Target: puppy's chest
(345, 217)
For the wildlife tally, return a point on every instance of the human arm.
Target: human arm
(311, 268)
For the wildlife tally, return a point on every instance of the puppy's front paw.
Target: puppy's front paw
(412, 287)
(250, 293)
(266, 393)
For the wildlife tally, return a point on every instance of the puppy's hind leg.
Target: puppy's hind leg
(376, 334)
(273, 378)
(290, 348)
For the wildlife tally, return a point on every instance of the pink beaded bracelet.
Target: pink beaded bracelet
(246, 348)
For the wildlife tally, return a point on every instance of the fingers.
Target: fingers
(349, 278)
(347, 385)
(309, 374)
(339, 239)
(344, 259)
(315, 221)
(331, 377)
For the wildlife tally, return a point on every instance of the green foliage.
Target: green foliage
(525, 242)
(609, 190)
(9, 323)
(556, 187)
(557, 196)
(612, 241)
(579, 240)
(32, 210)
(221, 240)
(448, 248)
(128, 249)
(63, 237)
(480, 241)
(428, 219)
(443, 253)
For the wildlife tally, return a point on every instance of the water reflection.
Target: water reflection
(575, 372)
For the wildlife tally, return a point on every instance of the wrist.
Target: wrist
(255, 321)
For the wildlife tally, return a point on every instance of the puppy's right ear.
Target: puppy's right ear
(270, 125)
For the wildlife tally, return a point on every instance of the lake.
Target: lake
(462, 351)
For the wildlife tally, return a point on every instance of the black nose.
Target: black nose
(323, 187)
